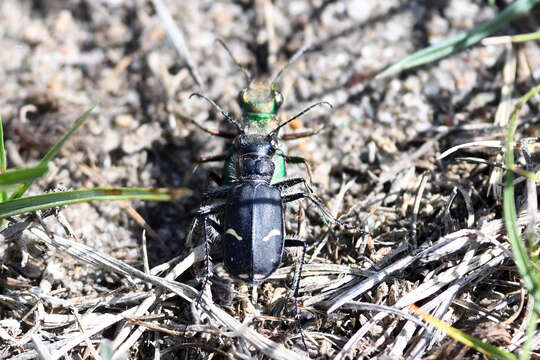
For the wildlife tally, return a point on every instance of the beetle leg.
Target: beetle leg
(303, 134)
(217, 226)
(224, 134)
(205, 159)
(208, 260)
(299, 160)
(287, 183)
(209, 209)
(294, 242)
(218, 193)
(212, 175)
(325, 212)
(290, 242)
(204, 211)
(208, 264)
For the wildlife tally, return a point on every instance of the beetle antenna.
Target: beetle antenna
(231, 120)
(241, 67)
(276, 130)
(295, 57)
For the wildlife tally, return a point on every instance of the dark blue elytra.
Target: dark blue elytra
(254, 231)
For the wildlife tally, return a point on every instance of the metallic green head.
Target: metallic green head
(260, 99)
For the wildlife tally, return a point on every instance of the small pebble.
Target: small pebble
(124, 121)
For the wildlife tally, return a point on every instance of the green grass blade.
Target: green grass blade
(531, 278)
(461, 41)
(525, 37)
(531, 329)
(12, 177)
(525, 173)
(51, 200)
(3, 162)
(55, 149)
(498, 40)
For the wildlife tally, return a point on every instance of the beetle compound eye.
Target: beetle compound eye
(241, 97)
(278, 98)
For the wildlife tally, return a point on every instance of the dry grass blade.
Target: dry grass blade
(506, 39)
(177, 38)
(96, 258)
(487, 143)
(122, 343)
(461, 41)
(445, 246)
(476, 268)
(443, 302)
(41, 348)
(102, 260)
(448, 244)
(470, 269)
(509, 77)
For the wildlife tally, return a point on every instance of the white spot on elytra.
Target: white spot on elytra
(272, 232)
(233, 233)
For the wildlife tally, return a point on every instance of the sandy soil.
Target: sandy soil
(380, 142)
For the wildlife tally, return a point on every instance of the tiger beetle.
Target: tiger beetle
(249, 201)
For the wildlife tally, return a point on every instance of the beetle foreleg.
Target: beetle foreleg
(303, 134)
(223, 134)
(202, 160)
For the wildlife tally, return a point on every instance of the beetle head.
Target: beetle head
(260, 98)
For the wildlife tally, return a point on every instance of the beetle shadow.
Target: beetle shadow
(172, 165)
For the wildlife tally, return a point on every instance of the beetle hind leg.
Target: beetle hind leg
(292, 242)
(208, 260)
(324, 210)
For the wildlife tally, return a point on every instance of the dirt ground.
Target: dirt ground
(375, 164)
